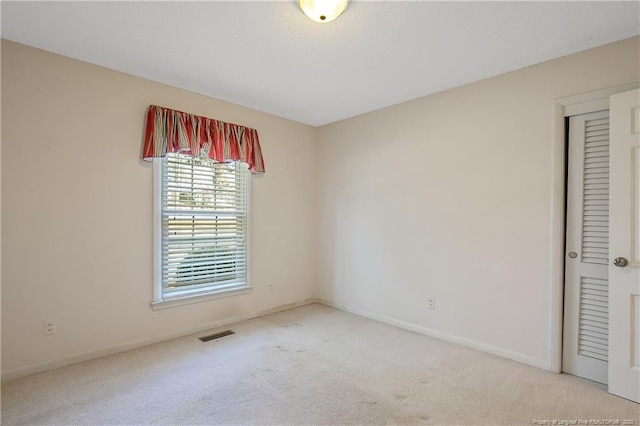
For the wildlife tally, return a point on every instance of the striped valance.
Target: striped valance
(169, 130)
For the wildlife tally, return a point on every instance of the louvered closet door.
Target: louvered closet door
(586, 305)
(624, 235)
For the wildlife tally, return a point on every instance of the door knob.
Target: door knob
(620, 262)
(573, 254)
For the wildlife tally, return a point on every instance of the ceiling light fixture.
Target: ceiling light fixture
(322, 10)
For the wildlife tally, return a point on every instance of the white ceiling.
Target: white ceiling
(268, 56)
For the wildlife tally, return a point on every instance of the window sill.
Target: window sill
(171, 301)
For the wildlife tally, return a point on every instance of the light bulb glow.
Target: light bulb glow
(322, 11)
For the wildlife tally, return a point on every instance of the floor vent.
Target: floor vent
(217, 335)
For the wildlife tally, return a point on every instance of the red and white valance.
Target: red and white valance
(169, 130)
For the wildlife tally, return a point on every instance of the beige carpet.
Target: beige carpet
(311, 365)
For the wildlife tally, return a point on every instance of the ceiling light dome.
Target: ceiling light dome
(322, 10)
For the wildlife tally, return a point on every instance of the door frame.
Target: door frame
(562, 108)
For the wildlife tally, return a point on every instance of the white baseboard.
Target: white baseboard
(494, 350)
(50, 365)
(484, 347)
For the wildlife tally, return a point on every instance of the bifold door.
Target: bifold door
(624, 239)
(586, 306)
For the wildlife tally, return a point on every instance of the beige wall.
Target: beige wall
(450, 196)
(76, 212)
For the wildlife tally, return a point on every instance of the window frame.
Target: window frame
(162, 300)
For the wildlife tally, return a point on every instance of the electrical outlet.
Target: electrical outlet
(270, 287)
(48, 327)
(431, 303)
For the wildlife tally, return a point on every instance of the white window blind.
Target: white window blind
(204, 225)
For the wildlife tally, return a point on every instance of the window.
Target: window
(200, 228)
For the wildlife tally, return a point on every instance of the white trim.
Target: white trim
(157, 230)
(249, 216)
(556, 252)
(572, 103)
(473, 344)
(204, 296)
(586, 107)
(564, 107)
(50, 365)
